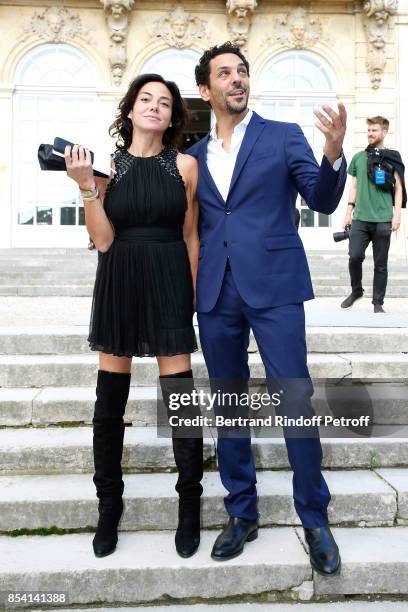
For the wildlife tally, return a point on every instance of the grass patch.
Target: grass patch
(46, 531)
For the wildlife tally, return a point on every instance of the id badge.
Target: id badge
(379, 176)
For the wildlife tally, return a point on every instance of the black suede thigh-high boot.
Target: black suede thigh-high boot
(112, 392)
(188, 456)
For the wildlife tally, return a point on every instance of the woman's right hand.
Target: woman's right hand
(79, 166)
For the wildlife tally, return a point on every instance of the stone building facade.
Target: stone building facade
(65, 64)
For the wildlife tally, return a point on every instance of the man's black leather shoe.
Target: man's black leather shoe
(378, 308)
(349, 301)
(230, 543)
(323, 550)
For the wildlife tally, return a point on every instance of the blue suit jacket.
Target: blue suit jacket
(255, 226)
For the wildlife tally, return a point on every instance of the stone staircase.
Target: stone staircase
(71, 272)
(48, 507)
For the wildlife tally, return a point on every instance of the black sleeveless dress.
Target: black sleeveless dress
(143, 295)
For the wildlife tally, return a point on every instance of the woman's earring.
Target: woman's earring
(170, 124)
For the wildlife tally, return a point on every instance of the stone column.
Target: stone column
(6, 204)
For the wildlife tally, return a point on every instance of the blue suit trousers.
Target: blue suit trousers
(280, 335)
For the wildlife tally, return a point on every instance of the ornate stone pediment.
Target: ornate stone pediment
(55, 24)
(180, 29)
(297, 29)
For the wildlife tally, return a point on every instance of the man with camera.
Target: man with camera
(377, 194)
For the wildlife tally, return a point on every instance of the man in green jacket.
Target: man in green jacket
(373, 212)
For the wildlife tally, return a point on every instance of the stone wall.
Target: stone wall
(363, 42)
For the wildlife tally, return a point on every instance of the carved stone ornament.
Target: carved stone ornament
(380, 9)
(55, 24)
(377, 26)
(297, 29)
(239, 14)
(117, 18)
(180, 29)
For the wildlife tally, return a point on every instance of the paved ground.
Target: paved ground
(75, 310)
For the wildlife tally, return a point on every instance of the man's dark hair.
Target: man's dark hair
(202, 70)
(122, 126)
(379, 120)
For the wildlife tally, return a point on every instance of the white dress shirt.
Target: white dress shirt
(221, 163)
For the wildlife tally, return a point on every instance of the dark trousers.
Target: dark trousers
(280, 335)
(361, 234)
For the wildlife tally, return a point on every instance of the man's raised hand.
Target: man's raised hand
(334, 129)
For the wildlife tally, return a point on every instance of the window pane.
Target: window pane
(324, 220)
(68, 215)
(298, 71)
(26, 217)
(56, 65)
(44, 215)
(306, 218)
(81, 215)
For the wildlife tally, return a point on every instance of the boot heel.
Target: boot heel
(252, 536)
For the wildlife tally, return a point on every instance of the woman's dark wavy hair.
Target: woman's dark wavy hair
(122, 126)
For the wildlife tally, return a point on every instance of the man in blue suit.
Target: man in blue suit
(253, 273)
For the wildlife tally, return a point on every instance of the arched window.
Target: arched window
(55, 95)
(178, 65)
(175, 65)
(55, 65)
(292, 84)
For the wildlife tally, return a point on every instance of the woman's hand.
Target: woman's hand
(79, 166)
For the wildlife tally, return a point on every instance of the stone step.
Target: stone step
(85, 274)
(69, 501)
(385, 403)
(52, 340)
(61, 450)
(23, 285)
(62, 340)
(61, 252)
(31, 277)
(320, 280)
(146, 568)
(47, 262)
(81, 370)
(85, 289)
(304, 592)
(342, 291)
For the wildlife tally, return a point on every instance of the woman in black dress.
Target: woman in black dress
(144, 224)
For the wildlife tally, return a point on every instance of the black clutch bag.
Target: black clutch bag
(51, 157)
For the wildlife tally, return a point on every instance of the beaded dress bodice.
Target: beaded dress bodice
(146, 190)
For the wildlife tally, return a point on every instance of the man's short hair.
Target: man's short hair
(202, 70)
(378, 120)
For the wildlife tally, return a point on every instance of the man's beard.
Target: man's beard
(237, 109)
(374, 142)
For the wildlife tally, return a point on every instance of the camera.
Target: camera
(344, 235)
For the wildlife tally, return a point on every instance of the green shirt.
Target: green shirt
(372, 203)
